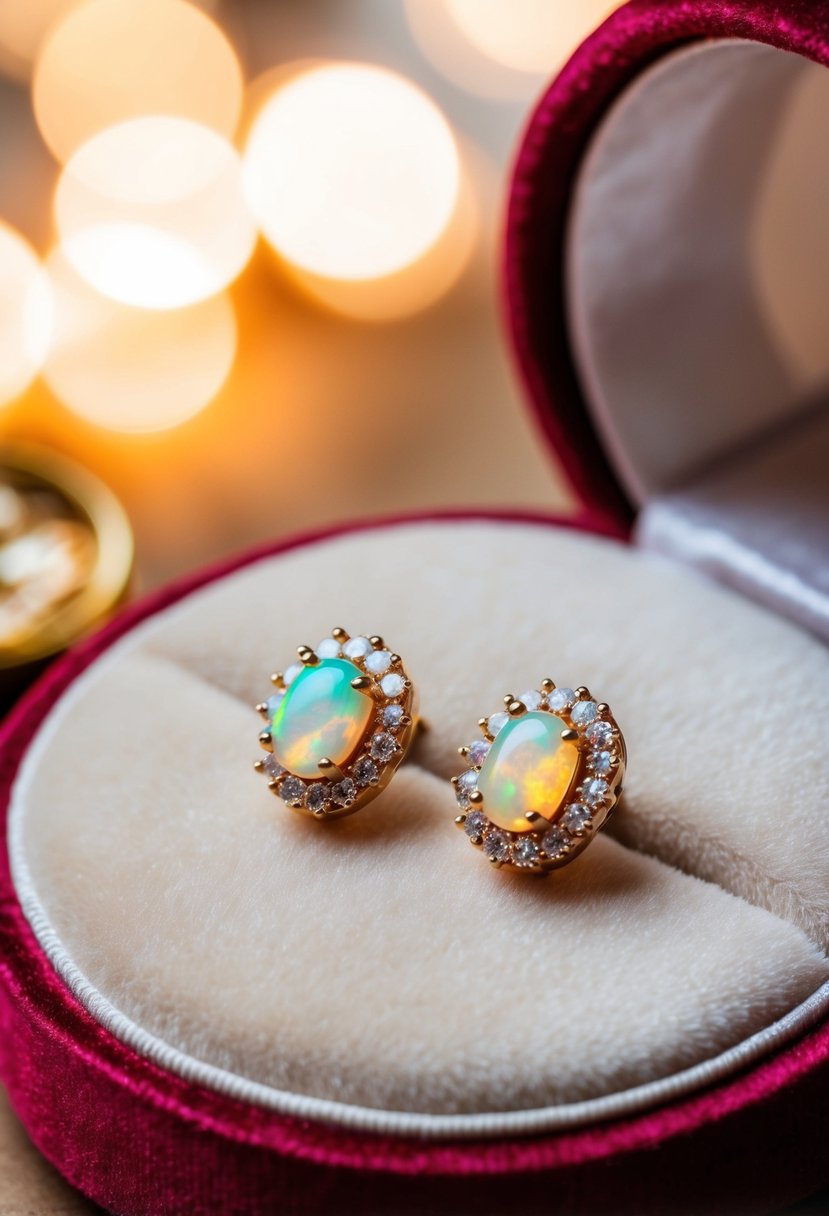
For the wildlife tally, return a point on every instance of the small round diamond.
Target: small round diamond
(365, 771)
(468, 779)
(392, 716)
(383, 747)
(583, 713)
(599, 733)
(272, 767)
(475, 823)
(329, 648)
(273, 702)
(292, 790)
(392, 684)
(600, 763)
(497, 846)
(316, 797)
(344, 791)
(378, 662)
(291, 673)
(525, 851)
(560, 699)
(575, 817)
(478, 752)
(356, 648)
(531, 698)
(554, 841)
(496, 722)
(595, 792)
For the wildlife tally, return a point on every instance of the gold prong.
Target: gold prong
(339, 635)
(265, 741)
(362, 683)
(569, 736)
(454, 780)
(496, 862)
(547, 685)
(273, 784)
(407, 721)
(583, 693)
(515, 708)
(307, 656)
(603, 708)
(476, 798)
(476, 840)
(262, 708)
(532, 816)
(278, 679)
(407, 684)
(320, 814)
(463, 751)
(460, 820)
(259, 765)
(508, 699)
(396, 660)
(330, 768)
(377, 642)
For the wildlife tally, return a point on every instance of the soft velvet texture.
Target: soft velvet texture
(356, 962)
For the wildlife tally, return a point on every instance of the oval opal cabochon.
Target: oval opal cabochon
(529, 767)
(320, 716)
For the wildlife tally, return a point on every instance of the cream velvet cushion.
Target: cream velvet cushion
(379, 961)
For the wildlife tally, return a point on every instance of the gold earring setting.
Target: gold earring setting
(543, 780)
(338, 725)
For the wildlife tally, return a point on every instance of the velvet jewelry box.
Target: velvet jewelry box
(211, 1006)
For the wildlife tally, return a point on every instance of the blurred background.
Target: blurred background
(249, 264)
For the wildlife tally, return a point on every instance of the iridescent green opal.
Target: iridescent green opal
(528, 768)
(321, 715)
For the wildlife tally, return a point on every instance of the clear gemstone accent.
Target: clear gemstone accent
(344, 791)
(478, 752)
(329, 648)
(383, 747)
(497, 722)
(575, 817)
(392, 684)
(468, 779)
(462, 796)
(583, 713)
(560, 699)
(272, 767)
(599, 733)
(525, 850)
(600, 763)
(392, 716)
(497, 845)
(291, 673)
(365, 771)
(531, 698)
(292, 790)
(595, 792)
(475, 824)
(356, 648)
(378, 661)
(273, 702)
(554, 841)
(316, 797)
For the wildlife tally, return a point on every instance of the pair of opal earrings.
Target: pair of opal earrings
(541, 780)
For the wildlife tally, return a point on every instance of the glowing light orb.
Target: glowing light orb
(152, 213)
(22, 28)
(112, 60)
(531, 36)
(25, 314)
(130, 369)
(351, 171)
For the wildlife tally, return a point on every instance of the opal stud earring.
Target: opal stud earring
(338, 725)
(543, 780)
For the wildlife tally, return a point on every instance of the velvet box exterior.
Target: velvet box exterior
(138, 1139)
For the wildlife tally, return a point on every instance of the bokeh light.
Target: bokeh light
(133, 369)
(352, 172)
(498, 50)
(25, 314)
(112, 60)
(152, 212)
(22, 28)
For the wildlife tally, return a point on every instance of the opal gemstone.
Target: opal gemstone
(321, 715)
(529, 767)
